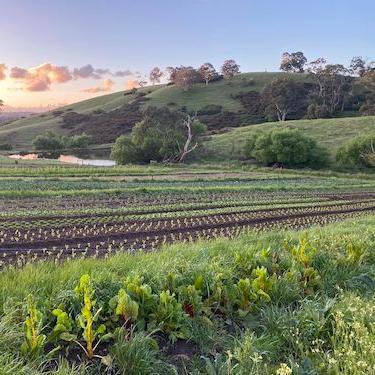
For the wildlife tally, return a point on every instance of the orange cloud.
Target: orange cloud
(107, 86)
(41, 77)
(3, 68)
(132, 84)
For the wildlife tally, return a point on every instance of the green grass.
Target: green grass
(297, 322)
(330, 133)
(218, 93)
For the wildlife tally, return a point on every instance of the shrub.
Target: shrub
(358, 152)
(286, 147)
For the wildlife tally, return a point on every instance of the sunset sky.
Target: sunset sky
(55, 51)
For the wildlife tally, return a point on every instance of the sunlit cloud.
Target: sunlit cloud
(3, 68)
(132, 84)
(106, 86)
(41, 77)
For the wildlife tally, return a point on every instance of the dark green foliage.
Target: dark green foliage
(5, 146)
(315, 111)
(357, 152)
(284, 97)
(160, 136)
(287, 147)
(52, 145)
(368, 81)
(124, 151)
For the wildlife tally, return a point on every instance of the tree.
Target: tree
(287, 147)
(1, 105)
(293, 62)
(124, 151)
(229, 69)
(53, 145)
(358, 66)
(162, 135)
(368, 81)
(283, 96)
(194, 129)
(185, 77)
(333, 85)
(155, 75)
(207, 72)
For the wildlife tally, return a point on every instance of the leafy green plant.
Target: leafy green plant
(262, 284)
(89, 316)
(142, 294)
(63, 326)
(34, 339)
(169, 317)
(126, 307)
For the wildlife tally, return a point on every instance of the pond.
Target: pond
(70, 159)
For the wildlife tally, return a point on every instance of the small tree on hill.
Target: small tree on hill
(155, 75)
(185, 77)
(229, 69)
(368, 81)
(333, 85)
(283, 96)
(1, 105)
(293, 62)
(207, 72)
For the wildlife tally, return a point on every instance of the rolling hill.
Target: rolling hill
(106, 117)
(219, 106)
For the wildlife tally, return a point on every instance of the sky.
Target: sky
(61, 51)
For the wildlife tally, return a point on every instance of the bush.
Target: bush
(286, 147)
(358, 152)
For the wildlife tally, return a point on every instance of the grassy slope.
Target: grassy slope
(329, 132)
(21, 132)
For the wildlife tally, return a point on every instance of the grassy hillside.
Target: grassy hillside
(21, 132)
(331, 133)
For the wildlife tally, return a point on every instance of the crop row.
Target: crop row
(167, 221)
(149, 239)
(144, 213)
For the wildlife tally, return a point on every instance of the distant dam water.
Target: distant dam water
(69, 159)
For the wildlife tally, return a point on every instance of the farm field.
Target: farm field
(203, 269)
(56, 218)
